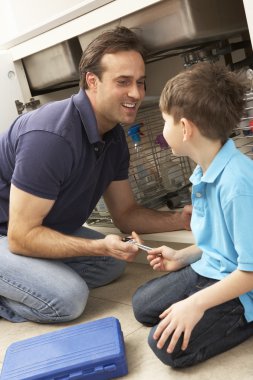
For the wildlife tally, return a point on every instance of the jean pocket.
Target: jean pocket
(236, 312)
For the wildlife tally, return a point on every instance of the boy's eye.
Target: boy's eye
(141, 83)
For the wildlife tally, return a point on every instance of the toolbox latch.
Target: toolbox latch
(78, 375)
(110, 368)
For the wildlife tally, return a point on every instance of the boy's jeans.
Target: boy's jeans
(46, 291)
(221, 328)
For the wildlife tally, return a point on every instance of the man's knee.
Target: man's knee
(120, 267)
(61, 305)
(104, 271)
(71, 303)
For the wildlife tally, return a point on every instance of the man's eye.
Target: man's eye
(123, 82)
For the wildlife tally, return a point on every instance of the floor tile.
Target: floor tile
(235, 364)
(96, 308)
(115, 300)
(122, 291)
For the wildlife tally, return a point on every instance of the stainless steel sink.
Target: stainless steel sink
(167, 24)
(54, 67)
(176, 23)
(182, 22)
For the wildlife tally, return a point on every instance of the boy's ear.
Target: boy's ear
(187, 128)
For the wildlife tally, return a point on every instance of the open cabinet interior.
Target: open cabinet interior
(177, 34)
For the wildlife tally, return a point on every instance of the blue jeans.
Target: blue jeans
(221, 328)
(50, 291)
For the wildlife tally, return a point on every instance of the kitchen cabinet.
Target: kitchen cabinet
(248, 7)
(10, 90)
(175, 31)
(22, 21)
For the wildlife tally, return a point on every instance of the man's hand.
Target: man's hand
(186, 216)
(115, 247)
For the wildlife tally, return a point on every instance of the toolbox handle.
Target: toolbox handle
(82, 375)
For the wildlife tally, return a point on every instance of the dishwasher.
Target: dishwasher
(157, 178)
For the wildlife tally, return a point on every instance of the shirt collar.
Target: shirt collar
(217, 165)
(87, 115)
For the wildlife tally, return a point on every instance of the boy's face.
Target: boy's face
(173, 134)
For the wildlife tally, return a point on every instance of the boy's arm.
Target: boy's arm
(181, 317)
(168, 259)
(232, 286)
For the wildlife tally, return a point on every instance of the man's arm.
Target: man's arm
(128, 216)
(27, 236)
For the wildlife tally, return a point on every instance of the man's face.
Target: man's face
(121, 89)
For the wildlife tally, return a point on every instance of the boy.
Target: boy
(204, 306)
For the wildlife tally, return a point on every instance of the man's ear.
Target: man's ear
(91, 80)
(187, 128)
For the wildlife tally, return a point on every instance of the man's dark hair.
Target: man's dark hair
(108, 42)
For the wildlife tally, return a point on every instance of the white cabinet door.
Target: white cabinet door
(248, 7)
(9, 92)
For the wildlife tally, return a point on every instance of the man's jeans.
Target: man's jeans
(221, 328)
(50, 291)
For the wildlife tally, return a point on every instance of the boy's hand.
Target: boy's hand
(178, 319)
(165, 259)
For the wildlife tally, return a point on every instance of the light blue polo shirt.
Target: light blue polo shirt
(222, 219)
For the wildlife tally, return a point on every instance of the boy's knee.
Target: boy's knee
(162, 354)
(177, 359)
(139, 306)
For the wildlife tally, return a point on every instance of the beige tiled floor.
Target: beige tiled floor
(115, 300)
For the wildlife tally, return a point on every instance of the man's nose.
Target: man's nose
(135, 92)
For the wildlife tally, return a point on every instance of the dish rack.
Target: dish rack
(243, 134)
(157, 177)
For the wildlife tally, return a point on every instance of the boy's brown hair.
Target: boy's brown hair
(209, 95)
(108, 42)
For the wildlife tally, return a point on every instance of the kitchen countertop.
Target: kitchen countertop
(185, 237)
(182, 236)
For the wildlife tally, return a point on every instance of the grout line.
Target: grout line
(107, 299)
(132, 332)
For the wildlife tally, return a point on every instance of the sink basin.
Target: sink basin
(177, 23)
(54, 67)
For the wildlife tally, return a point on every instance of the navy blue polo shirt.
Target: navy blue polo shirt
(56, 152)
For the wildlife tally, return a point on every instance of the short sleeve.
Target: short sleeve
(239, 217)
(43, 163)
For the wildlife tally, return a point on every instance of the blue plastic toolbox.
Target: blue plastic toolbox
(90, 351)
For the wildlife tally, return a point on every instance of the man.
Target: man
(56, 163)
